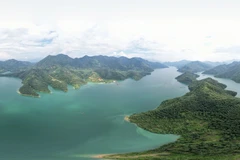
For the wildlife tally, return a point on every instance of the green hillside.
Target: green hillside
(207, 120)
(61, 70)
(195, 66)
(231, 71)
(187, 77)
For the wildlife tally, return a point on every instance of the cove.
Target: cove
(84, 122)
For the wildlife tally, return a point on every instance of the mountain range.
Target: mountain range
(195, 66)
(182, 63)
(13, 65)
(231, 71)
(59, 71)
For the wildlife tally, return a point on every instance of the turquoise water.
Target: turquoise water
(88, 121)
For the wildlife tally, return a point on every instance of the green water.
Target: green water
(73, 125)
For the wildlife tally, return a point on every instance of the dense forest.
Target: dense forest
(14, 66)
(207, 120)
(187, 77)
(61, 70)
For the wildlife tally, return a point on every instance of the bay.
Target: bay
(84, 122)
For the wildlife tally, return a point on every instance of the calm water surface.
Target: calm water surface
(88, 121)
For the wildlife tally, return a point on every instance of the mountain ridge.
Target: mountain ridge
(194, 67)
(98, 61)
(59, 71)
(13, 65)
(231, 71)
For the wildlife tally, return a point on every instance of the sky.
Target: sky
(157, 30)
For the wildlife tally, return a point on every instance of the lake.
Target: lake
(84, 122)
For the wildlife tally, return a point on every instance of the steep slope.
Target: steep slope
(13, 65)
(217, 70)
(195, 66)
(60, 59)
(207, 119)
(104, 62)
(231, 71)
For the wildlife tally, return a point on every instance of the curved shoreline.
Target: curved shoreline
(100, 156)
(27, 95)
(126, 118)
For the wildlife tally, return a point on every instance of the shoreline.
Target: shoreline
(27, 95)
(100, 156)
(126, 118)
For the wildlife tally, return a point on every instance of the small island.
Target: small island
(187, 78)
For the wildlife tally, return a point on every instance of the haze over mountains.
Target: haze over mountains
(60, 70)
(195, 66)
(231, 71)
(13, 65)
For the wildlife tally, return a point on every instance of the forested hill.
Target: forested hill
(187, 78)
(60, 70)
(13, 65)
(207, 119)
(231, 71)
(195, 66)
(94, 62)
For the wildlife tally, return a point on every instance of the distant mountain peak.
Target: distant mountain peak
(231, 71)
(195, 66)
(100, 61)
(60, 70)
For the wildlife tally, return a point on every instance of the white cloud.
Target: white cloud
(163, 30)
(232, 49)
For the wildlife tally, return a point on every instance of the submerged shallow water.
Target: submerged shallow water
(88, 121)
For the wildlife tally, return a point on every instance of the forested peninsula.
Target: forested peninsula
(207, 119)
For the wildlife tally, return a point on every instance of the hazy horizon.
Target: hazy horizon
(37, 60)
(156, 30)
